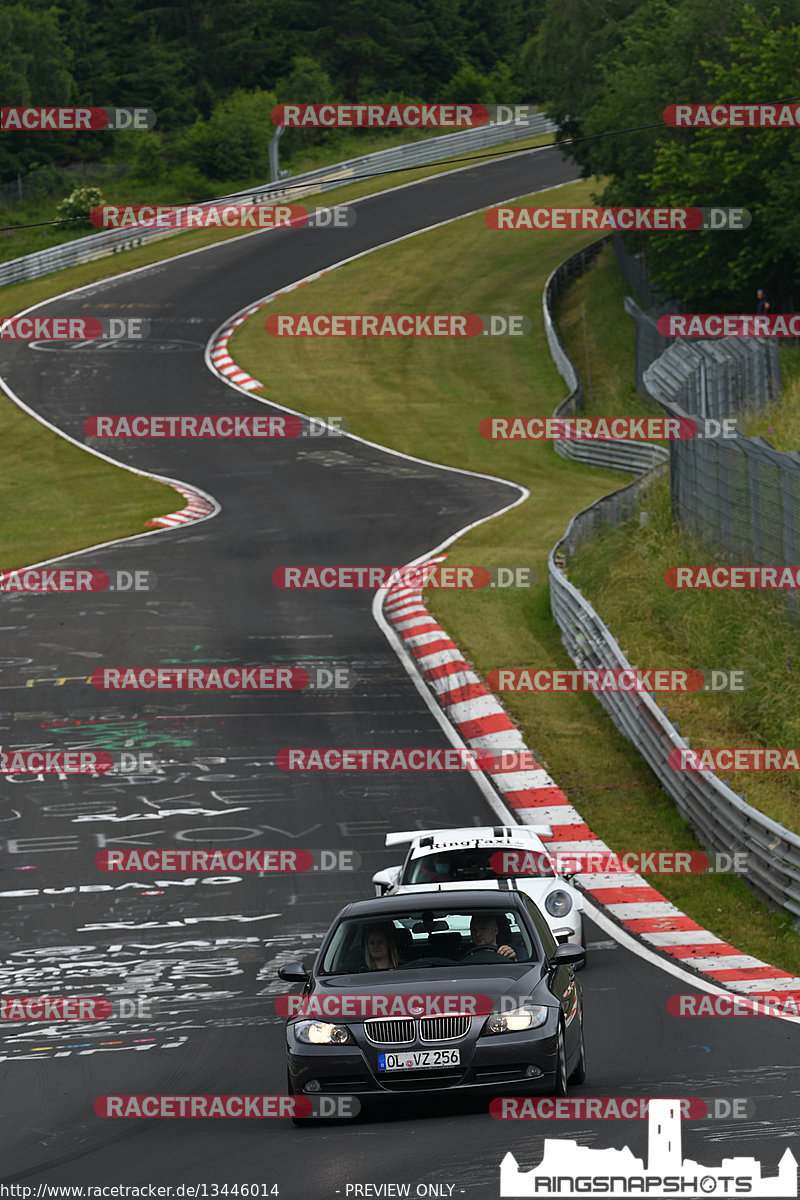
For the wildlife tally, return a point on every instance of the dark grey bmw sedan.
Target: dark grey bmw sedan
(459, 991)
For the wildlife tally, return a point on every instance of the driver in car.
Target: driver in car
(483, 929)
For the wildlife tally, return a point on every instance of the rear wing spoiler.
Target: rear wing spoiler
(469, 832)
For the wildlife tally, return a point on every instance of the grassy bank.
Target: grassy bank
(56, 498)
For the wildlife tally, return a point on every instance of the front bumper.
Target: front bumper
(567, 929)
(488, 1064)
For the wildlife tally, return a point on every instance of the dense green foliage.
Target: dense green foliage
(629, 59)
(212, 70)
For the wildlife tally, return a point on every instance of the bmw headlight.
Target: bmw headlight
(558, 903)
(322, 1033)
(527, 1016)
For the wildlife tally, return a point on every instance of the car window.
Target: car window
(542, 927)
(423, 938)
(475, 862)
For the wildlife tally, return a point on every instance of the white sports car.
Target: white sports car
(448, 858)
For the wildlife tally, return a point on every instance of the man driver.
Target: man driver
(484, 929)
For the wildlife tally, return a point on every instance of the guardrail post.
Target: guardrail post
(274, 165)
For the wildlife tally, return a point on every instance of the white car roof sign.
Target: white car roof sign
(501, 834)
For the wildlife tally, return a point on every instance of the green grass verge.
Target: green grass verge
(601, 341)
(94, 501)
(56, 498)
(780, 422)
(425, 398)
(621, 572)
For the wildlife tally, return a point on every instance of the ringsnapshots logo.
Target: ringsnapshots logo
(434, 576)
(645, 219)
(570, 1169)
(721, 325)
(216, 425)
(602, 429)
(73, 329)
(413, 325)
(732, 116)
(228, 862)
(630, 679)
(221, 216)
(69, 580)
(338, 1107)
(73, 120)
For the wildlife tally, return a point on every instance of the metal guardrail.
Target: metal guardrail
(721, 819)
(632, 457)
(715, 378)
(417, 154)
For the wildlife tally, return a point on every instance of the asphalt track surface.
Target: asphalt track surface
(204, 951)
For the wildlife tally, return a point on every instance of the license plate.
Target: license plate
(416, 1060)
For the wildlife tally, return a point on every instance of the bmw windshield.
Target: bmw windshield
(429, 938)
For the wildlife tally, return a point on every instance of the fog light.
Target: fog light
(313, 1085)
(533, 1072)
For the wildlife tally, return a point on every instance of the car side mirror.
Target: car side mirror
(569, 954)
(293, 972)
(386, 879)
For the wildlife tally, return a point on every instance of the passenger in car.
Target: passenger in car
(380, 948)
(435, 868)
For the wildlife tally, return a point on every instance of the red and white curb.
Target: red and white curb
(221, 359)
(198, 508)
(536, 799)
(219, 354)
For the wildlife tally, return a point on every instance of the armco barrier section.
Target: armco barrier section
(632, 457)
(722, 819)
(417, 154)
(716, 378)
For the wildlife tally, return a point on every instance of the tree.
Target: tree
(234, 142)
(573, 39)
(34, 69)
(306, 83)
(752, 168)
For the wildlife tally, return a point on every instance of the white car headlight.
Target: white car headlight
(527, 1016)
(558, 903)
(322, 1033)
